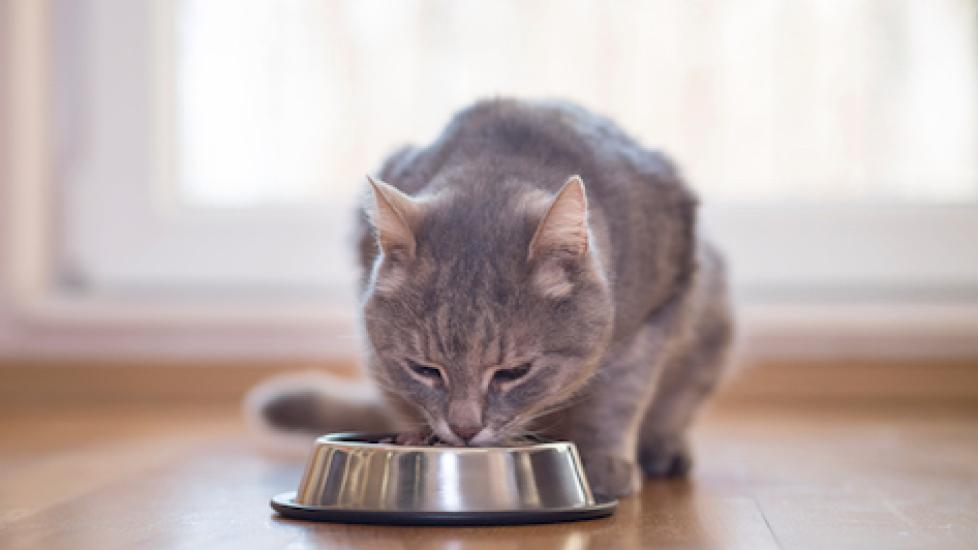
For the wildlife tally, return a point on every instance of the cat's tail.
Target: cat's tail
(289, 410)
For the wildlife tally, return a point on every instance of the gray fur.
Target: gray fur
(627, 346)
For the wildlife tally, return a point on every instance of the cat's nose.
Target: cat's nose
(465, 432)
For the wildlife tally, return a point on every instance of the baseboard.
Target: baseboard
(46, 383)
(855, 379)
(56, 384)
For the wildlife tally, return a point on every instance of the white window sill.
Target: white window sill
(320, 330)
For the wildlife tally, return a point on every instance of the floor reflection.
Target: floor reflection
(665, 513)
(539, 537)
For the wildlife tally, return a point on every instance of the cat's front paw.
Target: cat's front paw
(611, 476)
(665, 456)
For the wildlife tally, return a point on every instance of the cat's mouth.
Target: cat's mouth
(484, 438)
(510, 434)
(487, 437)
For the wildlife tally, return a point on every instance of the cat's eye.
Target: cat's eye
(430, 373)
(503, 376)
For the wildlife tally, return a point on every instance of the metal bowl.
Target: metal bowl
(351, 478)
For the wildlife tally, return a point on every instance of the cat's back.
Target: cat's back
(543, 141)
(640, 207)
(639, 204)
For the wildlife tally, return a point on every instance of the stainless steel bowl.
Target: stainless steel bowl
(352, 478)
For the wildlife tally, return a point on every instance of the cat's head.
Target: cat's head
(485, 311)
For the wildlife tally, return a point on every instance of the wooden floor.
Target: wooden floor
(831, 474)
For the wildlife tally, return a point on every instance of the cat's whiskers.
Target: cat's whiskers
(518, 426)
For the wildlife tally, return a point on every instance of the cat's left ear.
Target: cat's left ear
(562, 236)
(393, 216)
(563, 229)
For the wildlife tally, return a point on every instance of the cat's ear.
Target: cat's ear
(393, 216)
(563, 230)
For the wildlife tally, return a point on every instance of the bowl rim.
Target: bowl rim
(349, 439)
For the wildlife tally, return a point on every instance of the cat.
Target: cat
(532, 271)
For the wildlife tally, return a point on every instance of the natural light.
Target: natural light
(847, 100)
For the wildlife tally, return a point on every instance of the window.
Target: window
(760, 100)
(218, 148)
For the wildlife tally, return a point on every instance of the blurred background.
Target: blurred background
(179, 180)
(179, 177)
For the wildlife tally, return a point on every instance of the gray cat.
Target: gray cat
(534, 271)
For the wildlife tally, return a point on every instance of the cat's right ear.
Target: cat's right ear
(393, 216)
